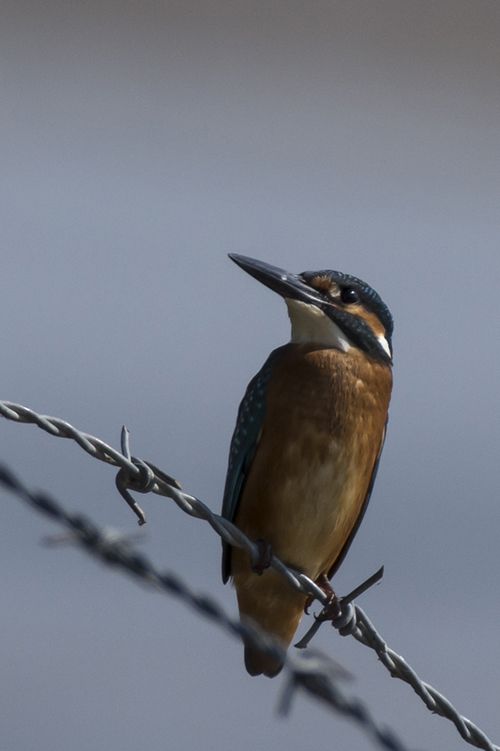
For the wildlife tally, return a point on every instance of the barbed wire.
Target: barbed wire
(143, 477)
(315, 673)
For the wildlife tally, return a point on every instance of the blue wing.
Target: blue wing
(243, 446)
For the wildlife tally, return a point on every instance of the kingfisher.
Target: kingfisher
(306, 446)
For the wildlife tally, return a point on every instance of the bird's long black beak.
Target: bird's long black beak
(280, 281)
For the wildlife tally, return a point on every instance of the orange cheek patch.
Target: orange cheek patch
(370, 318)
(322, 283)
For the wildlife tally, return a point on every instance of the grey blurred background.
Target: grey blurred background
(141, 142)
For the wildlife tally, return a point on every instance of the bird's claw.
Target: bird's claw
(264, 557)
(323, 583)
(331, 610)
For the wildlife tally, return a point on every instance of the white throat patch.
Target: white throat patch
(311, 326)
(384, 344)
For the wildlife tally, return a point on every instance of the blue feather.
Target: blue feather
(243, 444)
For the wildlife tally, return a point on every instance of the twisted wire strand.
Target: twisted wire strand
(351, 620)
(314, 673)
(162, 484)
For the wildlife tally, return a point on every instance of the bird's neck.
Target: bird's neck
(311, 326)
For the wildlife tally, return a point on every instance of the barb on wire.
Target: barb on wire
(313, 673)
(144, 477)
(351, 619)
(325, 614)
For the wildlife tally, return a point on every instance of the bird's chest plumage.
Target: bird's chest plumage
(320, 438)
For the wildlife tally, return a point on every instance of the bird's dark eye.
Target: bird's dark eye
(349, 295)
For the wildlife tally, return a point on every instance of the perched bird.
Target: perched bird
(307, 443)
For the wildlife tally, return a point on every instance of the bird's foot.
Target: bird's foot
(264, 557)
(323, 583)
(331, 610)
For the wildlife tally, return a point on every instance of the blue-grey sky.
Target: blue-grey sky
(143, 141)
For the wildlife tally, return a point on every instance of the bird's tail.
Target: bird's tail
(275, 608)
(261, 663)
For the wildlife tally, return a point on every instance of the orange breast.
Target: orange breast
(320, 438)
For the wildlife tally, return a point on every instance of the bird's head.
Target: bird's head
(329, 308)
